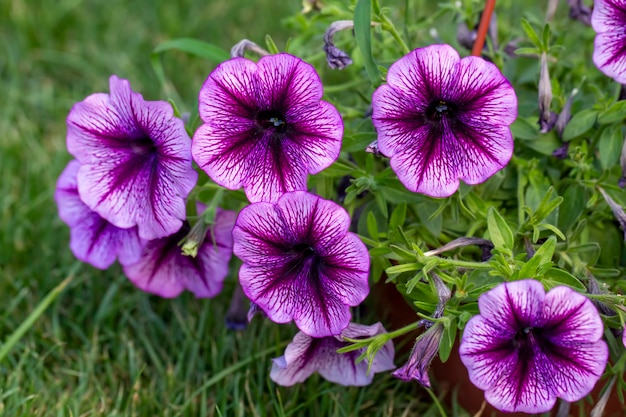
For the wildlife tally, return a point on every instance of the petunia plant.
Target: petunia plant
(472, 165)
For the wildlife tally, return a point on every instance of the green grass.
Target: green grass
(103, 348)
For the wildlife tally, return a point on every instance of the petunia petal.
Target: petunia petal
(300, 263)
(425, 73)
(229, 96)
(287, 82)
(513, 306)
(609, 16)
(135, 160)
(609, 54)
(315, 137)
(295, 365)
(93, 239)
(165, 271)
(305, 355)
(483, 95)
(570, 318)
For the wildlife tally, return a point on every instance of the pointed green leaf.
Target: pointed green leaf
(363, 35)
(499, 231)
(580, 123)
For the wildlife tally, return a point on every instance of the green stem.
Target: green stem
(404, 330)
(388, 26)
(445, 263)
(345, 86)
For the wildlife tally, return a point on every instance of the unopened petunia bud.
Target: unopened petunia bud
(565, 115)
(547, 119)
(617, 210)
(423, 353)
(336, 58)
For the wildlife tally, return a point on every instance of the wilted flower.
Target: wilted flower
(306, 355)
(92, 239)
(578, 11)
(165, 271)
(265, 126)
(301, 263)
(336, 58)
(609, 53)
(441, 119)
(526, 347)
(425, 349)
(135, 160)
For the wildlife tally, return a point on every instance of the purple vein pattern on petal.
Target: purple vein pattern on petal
(92, 239)
(609, 54)
(163, 269)
(442, 119)
(135, 156)
(306, 355)
(300, 262)
(265, 127)
(527, 348)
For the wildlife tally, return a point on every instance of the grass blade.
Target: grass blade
(363, 35)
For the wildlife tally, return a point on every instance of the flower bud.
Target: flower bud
(617, 210)
(423, 353)
(547, 119)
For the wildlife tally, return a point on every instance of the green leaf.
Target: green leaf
(522, 129)
(447, 341)
(372, 226)
(382, 204)
(398, 269)
(271, 46)
(543, 256)
(532, 35)
(615, 113)
(398, 216)
(194, 47)
(363, 36)
(555, 277)
(338, 169)
(573, 205)
(499, 231)
(580, 123)
(610, 146)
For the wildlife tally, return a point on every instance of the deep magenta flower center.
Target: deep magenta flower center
(144, 146)
(271, 119)
(438, 109)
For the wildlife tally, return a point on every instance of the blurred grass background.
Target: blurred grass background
(104, 348)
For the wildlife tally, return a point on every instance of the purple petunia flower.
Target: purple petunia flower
(306, 355)
(301, 263)
(92, 239)
(265, 126)
(609, 53)
(442, 119)
(135, 157)
(526, 347)
(165, 271)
